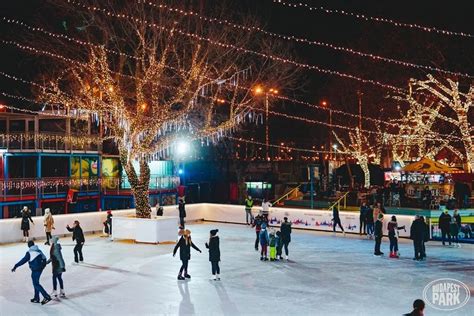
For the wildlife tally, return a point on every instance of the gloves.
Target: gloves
(13, 270)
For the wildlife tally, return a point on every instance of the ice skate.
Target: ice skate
(62, 294)
(181, 278)
(261, 258)
(218, 278)
(34, 301)
(45, 300)
(54, 293)
(213, 278)
(286, 257)
(187, 276)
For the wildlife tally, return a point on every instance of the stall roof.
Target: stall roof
(426, 165)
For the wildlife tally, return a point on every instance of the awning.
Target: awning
(426, 165)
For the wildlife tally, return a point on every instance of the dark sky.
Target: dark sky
(447, 52)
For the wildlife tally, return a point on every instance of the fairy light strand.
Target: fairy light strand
(364, 17)
(303, 40)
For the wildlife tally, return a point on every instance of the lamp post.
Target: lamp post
(259, 90)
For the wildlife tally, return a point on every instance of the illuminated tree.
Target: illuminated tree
(148, 83)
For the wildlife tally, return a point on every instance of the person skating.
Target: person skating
(273, 243)
(285, 229)
(378, 233)
(393, 229)
(248, 210)
(184, 244)
(279, 245)
(257, 223)
(182, 211)
(444, 222)
(426, 237)
(37, 262)
(418, 308)
(48, 222)
(370, 223)
(456, 228)
(417, 234)
(214, 254)
(109, 221)
(264, 240)
(58, 265)
(25, 223)
(363, 218)
(336, 220)
(266, 210)
(159, 209)
(78, 236)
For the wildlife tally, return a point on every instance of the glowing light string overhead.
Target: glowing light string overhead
(303, 40)
(360, 16)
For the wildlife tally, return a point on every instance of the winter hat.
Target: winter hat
(55, 239)
(47, 211)
(394, 218)
(264, 226)
(109, 212)
(214, 232)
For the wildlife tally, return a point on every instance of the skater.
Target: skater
(78, 236)
(418, 307)
(285, 229)
(273, 246)
(266, 210)
(417, 234)
(182, 211)
(456, 228)
(159, 209)
(264, 240)
(336, 220)
(393, 229)
(109, 221)
(37, 262)
(214, 254)
(370, 223)
(426, 237)
(378, 235)
(25, 223)
(279, 245)
(363, 218)
(58, 265)
(48, 224)
(248, 210)
(444, 221)
(257, 223)
(184, 244)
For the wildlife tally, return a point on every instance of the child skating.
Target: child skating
(273, 246)
(184, 244)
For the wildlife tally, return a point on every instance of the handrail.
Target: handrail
(338, 202)
(286, 194)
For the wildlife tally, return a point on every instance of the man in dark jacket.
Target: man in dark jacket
(378, 234)
(182, 212)
(444, 221)
(37, 262)
(417, 234)
(285, 229)
(257, 223)
(364, 209)
(78, 236)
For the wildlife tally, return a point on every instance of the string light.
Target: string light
(76, 141)
(373, 19)
(303, 40)
(238, 48)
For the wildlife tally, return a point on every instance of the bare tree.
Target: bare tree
(150, 77)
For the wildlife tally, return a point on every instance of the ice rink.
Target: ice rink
(326, 275)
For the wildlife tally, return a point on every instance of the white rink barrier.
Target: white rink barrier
(301, 218)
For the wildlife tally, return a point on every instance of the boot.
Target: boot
(213, 278)
(218, 277)
(54, 293)
(392, 254)
(61, 293)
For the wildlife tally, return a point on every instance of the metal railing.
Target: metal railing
(338, 202)
(286, 195)
(49, 141)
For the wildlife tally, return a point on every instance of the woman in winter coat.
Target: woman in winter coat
(264, 241)
(214, 254)
(184, 244)
(48, 224)
(393, 229)
(56, 258)
(455, 227)
(25, 222)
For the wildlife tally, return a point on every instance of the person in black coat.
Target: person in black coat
(426, 237)
(184, 244)
(444, 222)
(182, 212)
(214, 254)
(417, 234)
(25, 222)
(285, 230)
(78, 236)
(336, 220)
(378, 234)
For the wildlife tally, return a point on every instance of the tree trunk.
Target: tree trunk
(139, 184)
(467, 140)
(365, 168)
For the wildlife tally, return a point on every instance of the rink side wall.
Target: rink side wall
(225, 213)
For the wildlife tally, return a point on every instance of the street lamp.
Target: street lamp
(182, 149)
(259, 90)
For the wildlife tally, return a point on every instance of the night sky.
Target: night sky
(446, 52)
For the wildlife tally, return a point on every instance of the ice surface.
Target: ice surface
(327, 275)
